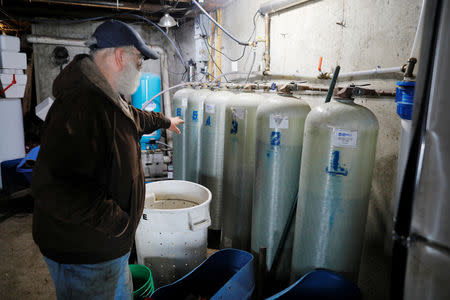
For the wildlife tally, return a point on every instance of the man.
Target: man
(88, 181)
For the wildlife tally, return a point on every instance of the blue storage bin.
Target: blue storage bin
(32, 155)
(149, 86)
(320, 285)
(226, 275)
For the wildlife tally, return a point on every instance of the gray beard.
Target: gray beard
(129, 79)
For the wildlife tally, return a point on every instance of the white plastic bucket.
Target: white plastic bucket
(172, 233)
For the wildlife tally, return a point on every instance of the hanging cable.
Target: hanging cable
(220, 26)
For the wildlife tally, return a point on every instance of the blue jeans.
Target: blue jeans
(103, 281)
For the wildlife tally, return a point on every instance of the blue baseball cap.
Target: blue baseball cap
(113, 33)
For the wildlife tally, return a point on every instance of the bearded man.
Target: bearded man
(88, 182)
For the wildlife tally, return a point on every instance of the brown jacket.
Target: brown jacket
(88, 182)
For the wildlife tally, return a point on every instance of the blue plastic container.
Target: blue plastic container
(320, 285)
(404, 96)
(32, 155)
(150, 85)
(225, 275)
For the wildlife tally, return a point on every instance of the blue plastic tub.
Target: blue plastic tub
(320, 285)
(225, 275)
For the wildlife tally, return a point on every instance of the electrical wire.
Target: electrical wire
(251, 68)
(245, 47)
(218, 25)
(204, 33)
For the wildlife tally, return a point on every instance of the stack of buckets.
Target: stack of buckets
(143, 285)
(12, 88)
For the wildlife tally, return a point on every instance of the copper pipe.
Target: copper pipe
(267, 45)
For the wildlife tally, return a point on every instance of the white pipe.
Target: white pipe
(146, 103)
(271, 7)
(371, 72)
(40, 39)
(165, 87)
(418, 31)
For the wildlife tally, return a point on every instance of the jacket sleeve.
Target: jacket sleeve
(149, 121)
(75, 150)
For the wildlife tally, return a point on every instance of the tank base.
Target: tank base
(214, 238)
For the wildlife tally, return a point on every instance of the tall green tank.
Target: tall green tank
(336, 175)
(212, 154)
(180, 103)
(239, 169)
(280, 125)
(194, 121)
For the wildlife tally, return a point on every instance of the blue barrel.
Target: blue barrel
(320, 285)
(150, 85)
(225, 275)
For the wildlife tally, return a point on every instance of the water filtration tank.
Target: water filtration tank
(212, 154)
(180, 103)
(149, 86)
(193, 126)
(336, 174)
(239, 169)
(279, 141)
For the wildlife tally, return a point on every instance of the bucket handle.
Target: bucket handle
(200, 224)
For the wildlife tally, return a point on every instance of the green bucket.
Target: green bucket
(142, 281)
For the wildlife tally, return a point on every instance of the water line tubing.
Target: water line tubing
(418, 31)
(147, 103)
(277, 256)
(332, 84)
(220, 26)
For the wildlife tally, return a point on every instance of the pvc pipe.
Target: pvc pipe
(271, 7)
(418, 31)
(218, 25)
(371, 72)
(40, 39)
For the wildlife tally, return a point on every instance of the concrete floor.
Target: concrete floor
(23, 272)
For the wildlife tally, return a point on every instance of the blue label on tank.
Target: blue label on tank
(178, 111)
(195, 115)
(208, 121)
(334, 169)
(234, 127)
(275, 138)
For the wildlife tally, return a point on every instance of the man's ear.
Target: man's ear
(119, 58)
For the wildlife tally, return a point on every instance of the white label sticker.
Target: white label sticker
(170, 175)
(184, 102)
(344, 138)
(210, 108)
(279, 121)
(238, 112)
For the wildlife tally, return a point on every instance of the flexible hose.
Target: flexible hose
(147, 103)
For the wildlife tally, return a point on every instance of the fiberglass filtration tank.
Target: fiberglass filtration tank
(239, 169)
(193, 126)
(280, 125)
(180, 103)
(335, 180)
(212, 154)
